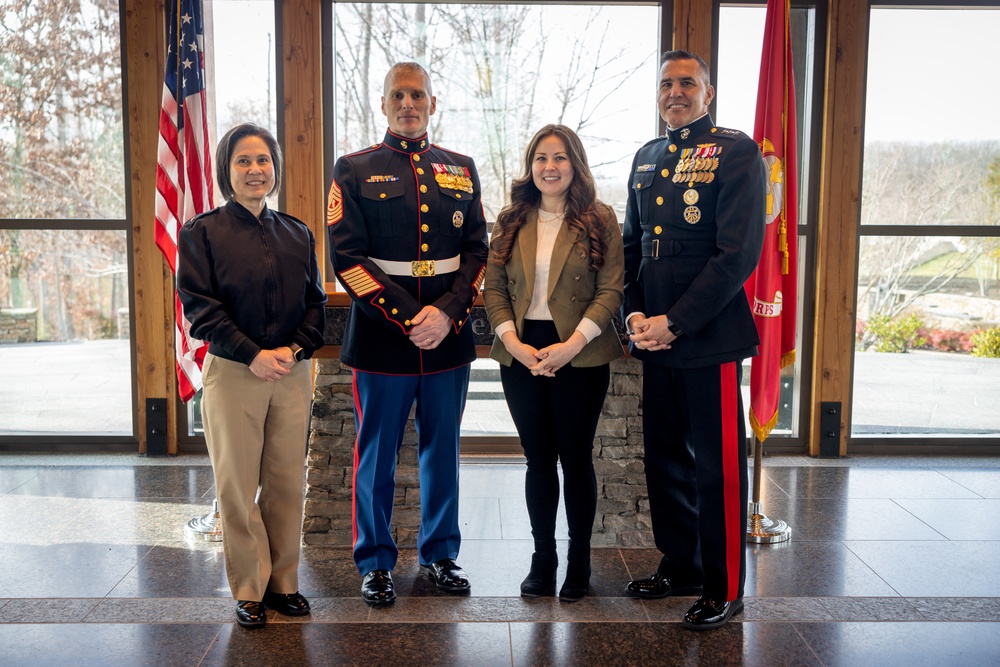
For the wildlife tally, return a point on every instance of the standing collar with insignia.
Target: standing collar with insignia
(405, 144)
(692, 131)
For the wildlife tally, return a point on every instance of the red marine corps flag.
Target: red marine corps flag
(772, 289)
(184, 165)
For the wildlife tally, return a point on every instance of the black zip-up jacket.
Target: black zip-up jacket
(248, 286)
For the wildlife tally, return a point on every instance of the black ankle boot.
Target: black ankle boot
(577, 582)
(541, 579)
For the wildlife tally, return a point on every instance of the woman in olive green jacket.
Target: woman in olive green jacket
(553, 284)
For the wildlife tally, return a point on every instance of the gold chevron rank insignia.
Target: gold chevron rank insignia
(359, 281)
(334, 205)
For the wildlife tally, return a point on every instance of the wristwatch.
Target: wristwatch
(297, 352)
(674, 329)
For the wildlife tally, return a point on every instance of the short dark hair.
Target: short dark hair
(680, 54)
(224, 153)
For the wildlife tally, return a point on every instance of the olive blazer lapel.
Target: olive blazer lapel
(527, 243)
(560, 253)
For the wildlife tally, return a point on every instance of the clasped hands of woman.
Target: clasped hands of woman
(272, 365)
(547, 360)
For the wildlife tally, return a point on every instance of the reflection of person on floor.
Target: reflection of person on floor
(694, 227)
(408, 242)
(248, 280)
(553, 284)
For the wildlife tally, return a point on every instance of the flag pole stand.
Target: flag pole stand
(761, 529)
(207, 528)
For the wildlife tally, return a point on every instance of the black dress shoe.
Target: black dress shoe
(447, 575)
(659, 586)
(289, 604)
(707, 614)
(541, 579)
(377, 588)
(251, 614)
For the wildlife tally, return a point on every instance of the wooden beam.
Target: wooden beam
(152, 300)
(693, 27)
(302, 97)
(837, 224)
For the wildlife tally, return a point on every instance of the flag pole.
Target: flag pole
(772, 289)
(760, 529)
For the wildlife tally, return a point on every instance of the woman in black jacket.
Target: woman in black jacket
(249, 283)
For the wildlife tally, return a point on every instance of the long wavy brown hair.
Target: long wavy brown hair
(582, 207)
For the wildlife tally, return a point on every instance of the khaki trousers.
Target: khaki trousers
(257, 433)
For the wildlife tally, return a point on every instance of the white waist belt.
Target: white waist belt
(419, 268)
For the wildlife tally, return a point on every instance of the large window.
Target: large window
(500, 72)
(64, 233)
(927, 349)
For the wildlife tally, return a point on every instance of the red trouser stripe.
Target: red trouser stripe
(354, 478)
(731, 476)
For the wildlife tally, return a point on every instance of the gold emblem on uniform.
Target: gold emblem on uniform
(403, 144)
(685, 133)
(665, 173)
(691, 196)
(657, 229)
(359, 281)
(673, 148)
(659, 201)
(424, 208)
(458, 219)
(423, 144)
(334, 205)
(453, 177)
(416, 158)
(692, 214)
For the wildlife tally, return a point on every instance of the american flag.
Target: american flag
(184, 165)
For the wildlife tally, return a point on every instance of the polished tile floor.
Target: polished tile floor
(892, 561)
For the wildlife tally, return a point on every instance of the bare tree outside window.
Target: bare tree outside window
(61, 158)
(501, 71)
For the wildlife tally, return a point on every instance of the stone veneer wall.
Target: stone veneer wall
(622, 506)
(18, 325)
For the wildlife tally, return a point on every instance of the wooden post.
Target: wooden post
(839, 202)
(153, 298)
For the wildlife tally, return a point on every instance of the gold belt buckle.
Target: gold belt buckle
(422, 268)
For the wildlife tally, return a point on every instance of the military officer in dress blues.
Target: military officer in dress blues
(694, 227)
(408, 242)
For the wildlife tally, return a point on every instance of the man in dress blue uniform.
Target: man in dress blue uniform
(694, 227)
(408, 242)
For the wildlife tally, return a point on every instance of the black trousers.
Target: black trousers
(556, 419)
(696, 473)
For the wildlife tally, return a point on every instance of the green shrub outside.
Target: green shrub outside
(896, 335)
(986, 343)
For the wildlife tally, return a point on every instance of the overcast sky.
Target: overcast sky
(915, 90)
